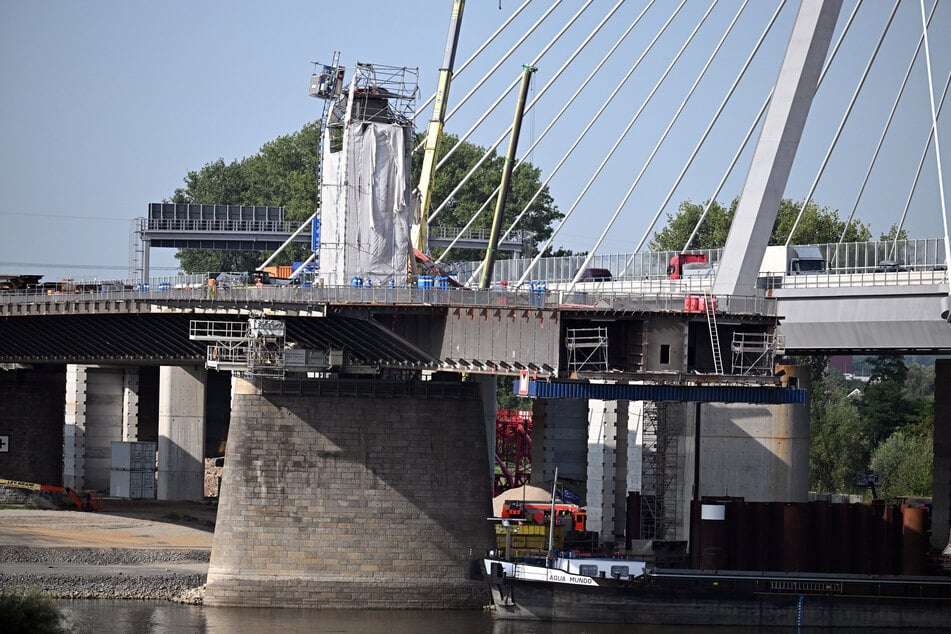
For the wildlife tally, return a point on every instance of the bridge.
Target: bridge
(354, 410)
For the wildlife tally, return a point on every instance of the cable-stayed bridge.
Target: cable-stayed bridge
(311, 438)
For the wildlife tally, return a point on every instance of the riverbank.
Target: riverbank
(134, 549)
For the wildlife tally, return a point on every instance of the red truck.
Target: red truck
(675, 270)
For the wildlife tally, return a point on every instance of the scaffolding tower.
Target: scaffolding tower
(755, 353)
(659, 490)
(587, 350)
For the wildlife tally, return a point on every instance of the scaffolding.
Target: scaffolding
(659, 491)
(378, 94)
(587, 350)
(754, 353)
(248, 349)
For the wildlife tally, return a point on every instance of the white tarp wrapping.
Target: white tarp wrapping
(366, 205)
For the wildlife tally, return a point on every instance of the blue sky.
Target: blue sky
(106, 105)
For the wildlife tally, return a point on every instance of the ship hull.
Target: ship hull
(729, 599)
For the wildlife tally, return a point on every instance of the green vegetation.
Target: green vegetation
(819, 225)
(30, 612)
(284, 174)
(885, 425)
(526, 179)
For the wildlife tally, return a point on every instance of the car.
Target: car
(888, 266)
(594, 275)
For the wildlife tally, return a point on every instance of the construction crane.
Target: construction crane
(434, 131)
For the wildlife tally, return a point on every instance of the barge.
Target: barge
(634, 592)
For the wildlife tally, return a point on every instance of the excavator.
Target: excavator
(91, 502)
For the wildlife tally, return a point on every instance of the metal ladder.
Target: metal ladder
(711, 311)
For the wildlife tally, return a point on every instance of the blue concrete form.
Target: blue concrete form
(765, 395)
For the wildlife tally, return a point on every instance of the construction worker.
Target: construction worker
(212, 287)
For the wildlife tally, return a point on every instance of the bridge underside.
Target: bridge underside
(847, 323)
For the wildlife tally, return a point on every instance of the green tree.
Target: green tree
(919, 384)
(839, 444)
(282, 174)
(884, 406)
(890, 234)
(480, 188)
(819, 225)
(905, 461)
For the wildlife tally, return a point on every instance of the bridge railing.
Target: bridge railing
(845, 280)
(926, 255)
(533, 297)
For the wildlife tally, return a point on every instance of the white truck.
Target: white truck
(792, 260)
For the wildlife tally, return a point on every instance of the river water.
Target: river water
(145, 617)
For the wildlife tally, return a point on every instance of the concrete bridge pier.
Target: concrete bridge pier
(353, 494)
(101, 406)
(605, 449)
(31, 424)
(181, 433)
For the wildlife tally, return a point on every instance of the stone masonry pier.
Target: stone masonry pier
(338, 499)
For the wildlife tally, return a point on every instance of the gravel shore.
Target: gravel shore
(106, 573)
(145, 549)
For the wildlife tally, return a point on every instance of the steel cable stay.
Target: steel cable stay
(881, 142)
(845, 118)
(713, 121)
(548, 128)
(497, 65)
(558, 116)
(505, 92)
(937, 145)
(921, 164)
(490, 149)
(621, 137)
(656, 148)
(528, 108)
(474, 55)
(712, 199)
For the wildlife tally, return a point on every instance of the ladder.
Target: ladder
(709, 303)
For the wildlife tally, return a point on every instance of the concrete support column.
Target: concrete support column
(74, 428)
(602, 447)
(941, 474)
(31, 424)
(634, 432)
(488, 389)
(97, 411)
(559, 439)
(130, 405)
(181, 443)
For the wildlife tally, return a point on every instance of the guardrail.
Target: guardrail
(858, 279)
(604, 299)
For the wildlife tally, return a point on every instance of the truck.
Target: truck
(777, 262)
(793, 260)
(687, 265)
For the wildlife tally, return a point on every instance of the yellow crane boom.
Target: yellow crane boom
(434, 130)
